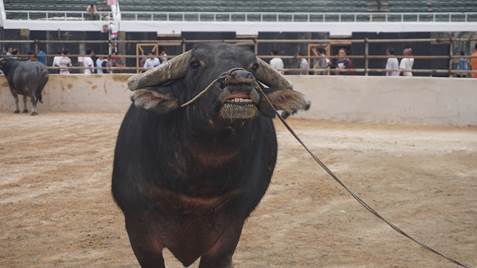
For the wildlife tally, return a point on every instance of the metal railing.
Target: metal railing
(399, 17)
(359, 69)
(54, 15)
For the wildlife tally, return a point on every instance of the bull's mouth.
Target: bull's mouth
(239, 105)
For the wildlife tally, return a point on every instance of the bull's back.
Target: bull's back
(29, 77)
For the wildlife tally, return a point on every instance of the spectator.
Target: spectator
(14, 53)
(462, 65)
(31, 56)
(88, 63)
(304, 65)
(406, 62)
(56, 61)
(64, 62)
(342, 64)
(99, 65)
(163, 57)
(151, 62)
(106, 65)
(116, 62)
(276, 62)
(392, 64)
(473, 62)
(92, 11)
(9, 52)
(41, 55)
(321, 61)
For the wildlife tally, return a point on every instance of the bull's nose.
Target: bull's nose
(239, 77)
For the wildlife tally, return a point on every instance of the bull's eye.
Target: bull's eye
(254, 67)
(195, 64)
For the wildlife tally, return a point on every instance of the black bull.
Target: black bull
(186, 178)
(27, 78)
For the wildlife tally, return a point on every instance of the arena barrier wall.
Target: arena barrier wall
(394, 100)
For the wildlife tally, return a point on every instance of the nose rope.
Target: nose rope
(202, 92)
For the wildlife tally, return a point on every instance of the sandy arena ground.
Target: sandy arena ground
(56, 209)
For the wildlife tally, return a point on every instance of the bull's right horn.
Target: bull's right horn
(171, 70)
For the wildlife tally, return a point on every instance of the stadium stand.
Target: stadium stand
(306, 6)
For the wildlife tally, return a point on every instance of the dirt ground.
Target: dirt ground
(56, 208)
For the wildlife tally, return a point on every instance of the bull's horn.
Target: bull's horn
(173, 69)
(270, 77)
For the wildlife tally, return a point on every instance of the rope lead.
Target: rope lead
(355, 196)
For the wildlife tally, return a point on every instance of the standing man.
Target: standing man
(41, 55)
(151, 62)
(304, 65)
(473, 62)
(342, 64)
(64, 62)
(276, 62)
(99, 65)
(392, 64)
(407, 62)
(88, 63)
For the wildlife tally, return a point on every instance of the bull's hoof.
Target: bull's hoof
(34, 113)
(16, 111)
(25, 111)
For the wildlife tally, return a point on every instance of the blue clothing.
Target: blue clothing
(463, 64)
(41, 56)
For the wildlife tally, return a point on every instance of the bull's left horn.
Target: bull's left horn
(270, 77)
(173, 69)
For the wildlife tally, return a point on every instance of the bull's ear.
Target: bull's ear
(287, 100)
(158, 99)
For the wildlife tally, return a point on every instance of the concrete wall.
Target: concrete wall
(400, 100)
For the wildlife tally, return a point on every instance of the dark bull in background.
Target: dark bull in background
(27, 78)
(186, 178)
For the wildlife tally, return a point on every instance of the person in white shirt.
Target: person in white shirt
(392, 64)
(64, 62)
(99, 65)
(276, 62)
(151, 62)
(407, 62)
(304, 65)
(56, 60)
(88, 63)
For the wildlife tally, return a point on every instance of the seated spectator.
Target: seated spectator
(407, 62)
(276, 62)
(462, 65)
(64, 62)
(342, 64)
(151, 62)
(392, 64)
(473, 62)
(92, 11)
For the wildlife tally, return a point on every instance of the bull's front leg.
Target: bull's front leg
(25, 107)
(144, 242)
(220, 255)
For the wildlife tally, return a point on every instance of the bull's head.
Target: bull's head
(233, 96)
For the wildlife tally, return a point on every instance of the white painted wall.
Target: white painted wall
(399, 100)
